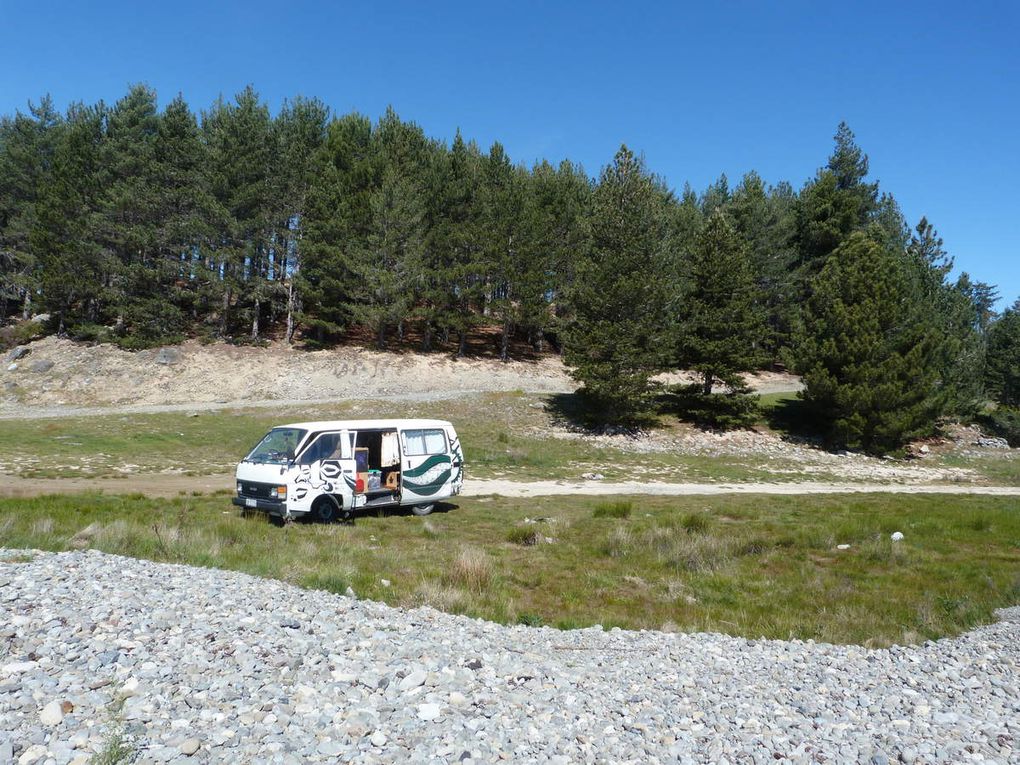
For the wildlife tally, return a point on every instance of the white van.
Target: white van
(324, 470)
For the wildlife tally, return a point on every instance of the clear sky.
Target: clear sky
(932, 89)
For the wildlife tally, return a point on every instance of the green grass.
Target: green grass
(615, 509)
(744, 565)
(505, 435)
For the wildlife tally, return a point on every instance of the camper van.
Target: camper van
(325, 470)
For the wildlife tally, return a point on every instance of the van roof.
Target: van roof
(402, 424)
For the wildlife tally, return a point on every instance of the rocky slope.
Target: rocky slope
(178, 664)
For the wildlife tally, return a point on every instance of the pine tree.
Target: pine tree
(73, 268)
(27, 147)
(867, 351)
(952, 316)
(554, 231)
(131, 211)
(766, 221)
(501, 230)
(337, 224)
(241, 149)
(615, 340)
(835, 203)
(722, 321)
(1003, 370)
(188, 214)
(300, 130)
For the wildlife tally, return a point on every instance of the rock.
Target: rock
(130, 687)
(992, 442)
(51, 714)
(593, 476)
(330, 748)
(189, 746)
(168, 356)
(378, 739)
(413, 680)
(40, 318)
(12, 367)
(896, 536)
(428, 711)
(349, 592)
(924, 449)
(842, 547)
(19, 352)
(17, 667)
(385, 582)
(41, 365)
(32, 754)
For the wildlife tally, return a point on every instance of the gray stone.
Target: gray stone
(18, 353)
(168, 356)
(51, 714)
(40, 366)
(413, 680)
(189, 746)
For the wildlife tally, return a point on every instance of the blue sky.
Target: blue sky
(932, 90)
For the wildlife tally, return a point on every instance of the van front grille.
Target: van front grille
(256, 490)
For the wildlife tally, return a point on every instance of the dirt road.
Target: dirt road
(172, 485)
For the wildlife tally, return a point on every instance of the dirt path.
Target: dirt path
(172, 485)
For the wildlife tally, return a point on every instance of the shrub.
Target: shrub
(619, 509)
(524, 536)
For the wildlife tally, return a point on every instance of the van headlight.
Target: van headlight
(240, 487)
(279, 492)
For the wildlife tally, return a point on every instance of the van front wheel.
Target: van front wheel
(423, 509)
(325, 510)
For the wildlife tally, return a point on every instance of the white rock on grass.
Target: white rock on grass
(199, 664)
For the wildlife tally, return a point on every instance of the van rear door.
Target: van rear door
(427, 471)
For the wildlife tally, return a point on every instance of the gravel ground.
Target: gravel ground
(214, 666)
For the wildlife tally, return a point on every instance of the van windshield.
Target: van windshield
(277, 447)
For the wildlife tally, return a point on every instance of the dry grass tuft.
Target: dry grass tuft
(85, 536)
(439, 596)
(619, 542)
(471, 569)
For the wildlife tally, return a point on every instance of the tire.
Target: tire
(325, 510)
(423, 509)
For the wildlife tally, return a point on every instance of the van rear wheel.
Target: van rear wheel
(423, 509)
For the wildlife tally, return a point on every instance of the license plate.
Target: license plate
(251, 503)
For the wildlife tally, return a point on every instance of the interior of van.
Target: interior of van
(381, 458)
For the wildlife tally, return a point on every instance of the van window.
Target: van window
(326, 446)
(419, 442)
(277, 446)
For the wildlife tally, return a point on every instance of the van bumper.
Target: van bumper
(271, 506)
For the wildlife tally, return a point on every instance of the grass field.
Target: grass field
(745, 565)
(505, 435)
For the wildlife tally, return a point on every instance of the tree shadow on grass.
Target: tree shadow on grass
(716, 411)
(578, 411)
(792, 419)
